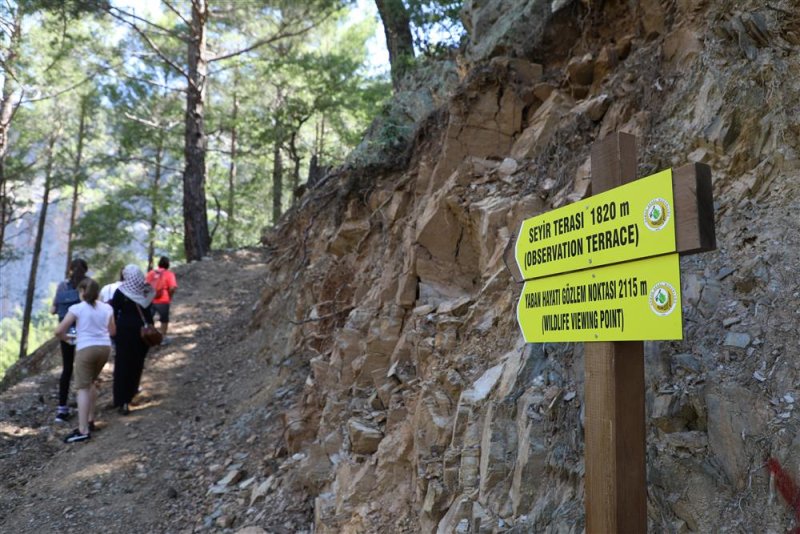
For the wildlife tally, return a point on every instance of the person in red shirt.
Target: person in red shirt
(164, 282)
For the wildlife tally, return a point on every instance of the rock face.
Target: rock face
(424, 411)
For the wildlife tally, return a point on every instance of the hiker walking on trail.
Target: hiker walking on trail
(94, 325)
(164, 282)
(66, 296)
(132, 308)
(108, 290)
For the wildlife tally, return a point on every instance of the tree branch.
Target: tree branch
(8, 24)
(150, 43)
(178, 13)
(56, 94)
(151, 82)
(134, 16)
(128, 159)
(68, 89)
(152, 124)
(261, 42)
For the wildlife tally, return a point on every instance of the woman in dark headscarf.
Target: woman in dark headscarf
(131, 303)
(66, 296)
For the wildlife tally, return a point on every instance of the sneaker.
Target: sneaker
(76, 436)
(62, 417)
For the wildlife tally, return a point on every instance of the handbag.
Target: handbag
(149, 333)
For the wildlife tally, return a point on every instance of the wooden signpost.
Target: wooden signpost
(605, 271)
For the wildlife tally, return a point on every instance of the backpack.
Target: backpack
(159, 283)
(66, 296)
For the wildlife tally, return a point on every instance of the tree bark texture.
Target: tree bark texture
(7, 95)
(6, 112)
(277, 183)
(296, 160)
(5, 204)
(399, 41)
(196, 240)
(155, 191)
(77, 178)
(37, 250)
(232, 168)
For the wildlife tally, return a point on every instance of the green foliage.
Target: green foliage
(65, 9)
(105, 227)
(387, 142)
(42, 326)
(56, 66)
(435, 25)
(307, 94)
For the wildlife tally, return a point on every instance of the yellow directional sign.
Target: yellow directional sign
(637, 300)
(632, 221)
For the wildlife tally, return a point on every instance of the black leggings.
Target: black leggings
(67, 361)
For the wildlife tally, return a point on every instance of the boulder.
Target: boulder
(498, 447)
(653, 18)
(593, 108)
(543, 125)
(734, 413)
(580, 70)
(349, 235)
(484, 117)
(433, 418)
(604, 65)
(530, 462)
(681, 46)
(364, 437)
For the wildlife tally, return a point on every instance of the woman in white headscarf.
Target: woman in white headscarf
(131, 303)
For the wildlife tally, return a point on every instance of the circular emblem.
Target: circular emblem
(663, 298)
(656, 214)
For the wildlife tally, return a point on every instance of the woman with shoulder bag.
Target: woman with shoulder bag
(66, 296)
(132, 310)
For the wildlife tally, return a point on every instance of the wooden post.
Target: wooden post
(615, 483)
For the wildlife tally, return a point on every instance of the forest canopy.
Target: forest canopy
(152, 127)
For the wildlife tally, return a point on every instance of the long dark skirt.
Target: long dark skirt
(128, 367)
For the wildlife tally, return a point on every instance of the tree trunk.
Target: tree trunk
(9, 77)
(37, 249)
(232, 167)
(196, 239)
(320, 140)
(155, 190)
(296, 159)
(277, 183)
(77, 178)
(399, 41)
(5, 205)
(6, 112)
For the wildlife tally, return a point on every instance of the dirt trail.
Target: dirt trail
(210, 410)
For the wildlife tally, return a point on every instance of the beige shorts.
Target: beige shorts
(88, 364)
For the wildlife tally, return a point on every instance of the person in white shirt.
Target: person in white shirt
(107, 293)
(94, 323)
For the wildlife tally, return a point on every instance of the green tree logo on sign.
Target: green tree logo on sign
(663, 298)
(656, 214)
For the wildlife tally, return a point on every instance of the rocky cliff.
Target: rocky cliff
(423, 410)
